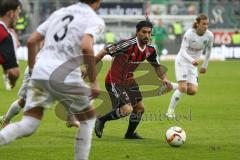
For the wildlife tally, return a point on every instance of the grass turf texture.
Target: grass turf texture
(210, 119)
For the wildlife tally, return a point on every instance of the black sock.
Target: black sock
(134, 120)
(113, 115)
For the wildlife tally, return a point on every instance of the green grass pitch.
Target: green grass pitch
(211, 120)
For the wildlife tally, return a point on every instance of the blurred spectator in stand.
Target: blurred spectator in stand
(22, 23)
(159, 35)
(177, 31)
(191, 9)
(236, 38)
(174, 10)
(109, 37)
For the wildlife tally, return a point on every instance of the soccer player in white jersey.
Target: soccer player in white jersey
(18, 104)
(68, 35)
(196, 41)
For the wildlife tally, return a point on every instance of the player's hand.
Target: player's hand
(167, 83)
(95, 90)
(203, 70)
(84, 72)
(195, 62)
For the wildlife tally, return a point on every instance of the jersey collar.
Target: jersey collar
(141, 49)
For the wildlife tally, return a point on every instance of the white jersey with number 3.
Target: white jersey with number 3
(63, 31)
(193, 46)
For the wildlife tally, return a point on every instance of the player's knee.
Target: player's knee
(182, 88)
(126, 110)
(191, 92)
(139, 109)
(86, 114)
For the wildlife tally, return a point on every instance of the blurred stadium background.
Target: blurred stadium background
(176, 16)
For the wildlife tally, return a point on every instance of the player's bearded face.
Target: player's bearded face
(14, 16)
(144, 35)
(202, 26)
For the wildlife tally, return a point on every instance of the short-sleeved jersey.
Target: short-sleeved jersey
(8, 48)
(193, 45)
(127, 57)
(63, 32)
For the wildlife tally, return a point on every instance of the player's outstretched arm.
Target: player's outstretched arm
(89, 60)
(207, 56)
(161, 72)
(100, 55)
(98, 58)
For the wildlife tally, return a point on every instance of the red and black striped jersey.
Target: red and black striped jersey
(7, 49)
(127, 57)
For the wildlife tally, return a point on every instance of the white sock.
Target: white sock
(174, 100)
(84, 139)
(13, 110)
(174, 85)
(25, 127)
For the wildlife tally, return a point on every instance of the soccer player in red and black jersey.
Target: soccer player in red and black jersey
(9, 14)
(124, 92)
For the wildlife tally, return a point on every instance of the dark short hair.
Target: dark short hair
(8, 5)
(141, 24)
(88, 1)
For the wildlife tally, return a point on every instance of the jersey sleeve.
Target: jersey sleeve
(152, 59)
(95, 27)
(208, 51)
(184, 46)
(116, 48)
(42, 28)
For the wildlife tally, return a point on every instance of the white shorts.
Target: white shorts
(40, 94)
(186, 72)
(22, 93)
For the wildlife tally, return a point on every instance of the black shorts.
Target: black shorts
(123, 94)
(9, 61)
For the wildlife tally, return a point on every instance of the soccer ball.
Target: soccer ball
(175, 136)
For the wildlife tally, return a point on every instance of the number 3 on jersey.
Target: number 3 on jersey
(59, 37)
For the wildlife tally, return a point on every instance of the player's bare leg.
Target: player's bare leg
(192, 89)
